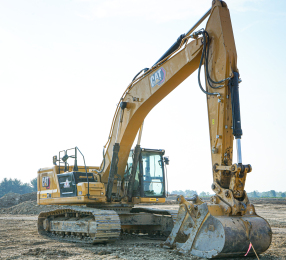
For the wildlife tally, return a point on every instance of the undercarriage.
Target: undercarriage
(91, 225)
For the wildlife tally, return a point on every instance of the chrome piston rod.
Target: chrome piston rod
(238, 150)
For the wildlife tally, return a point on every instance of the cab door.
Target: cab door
(152, 175)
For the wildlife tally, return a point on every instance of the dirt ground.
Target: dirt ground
(19, 238)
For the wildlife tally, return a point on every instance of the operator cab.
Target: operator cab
(150, 175)
(149, 180)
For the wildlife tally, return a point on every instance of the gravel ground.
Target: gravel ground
(19, 238)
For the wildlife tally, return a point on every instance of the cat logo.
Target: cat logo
(46, 182)
(158, 78)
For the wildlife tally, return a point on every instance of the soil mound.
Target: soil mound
(11, 199)
(29, 208)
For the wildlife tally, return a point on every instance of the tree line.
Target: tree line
(190, 193)
(16, 186)
(267, 194)
(253, 194)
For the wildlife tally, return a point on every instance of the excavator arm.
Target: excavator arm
(227, 225)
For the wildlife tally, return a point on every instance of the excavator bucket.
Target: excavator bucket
(201, 234)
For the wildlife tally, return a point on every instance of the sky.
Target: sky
(64, 65)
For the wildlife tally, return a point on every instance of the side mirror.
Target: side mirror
(55, 159)
(166, 160)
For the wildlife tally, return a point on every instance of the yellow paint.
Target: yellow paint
(77, 200)
(43, 196)
(96, 189)
(215, 210)
(152, 200)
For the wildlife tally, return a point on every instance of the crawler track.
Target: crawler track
(91, 225)
(80, 224)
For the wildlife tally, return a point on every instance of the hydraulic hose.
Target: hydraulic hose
(199, 70)
(205, 57)
(146, 69)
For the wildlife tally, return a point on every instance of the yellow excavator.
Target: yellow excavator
(98, 202)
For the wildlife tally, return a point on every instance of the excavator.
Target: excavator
(98, 202)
